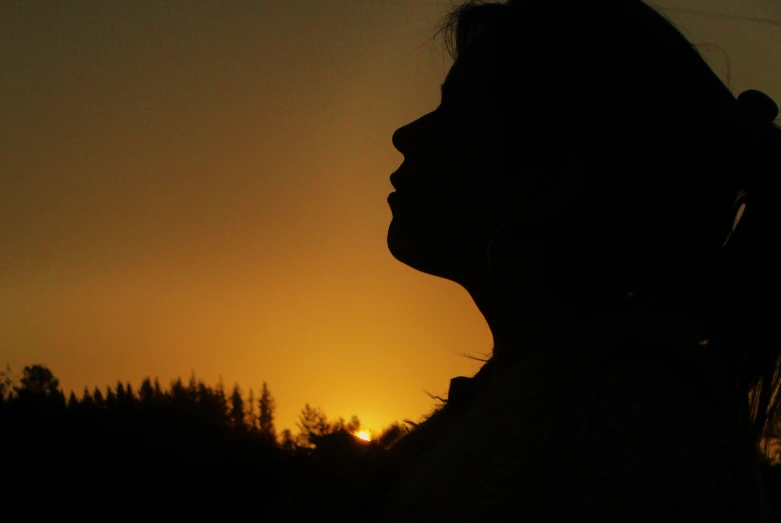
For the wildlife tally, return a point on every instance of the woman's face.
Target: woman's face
(451, 189)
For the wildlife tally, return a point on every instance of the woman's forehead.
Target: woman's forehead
(468, 75)
(477, 65)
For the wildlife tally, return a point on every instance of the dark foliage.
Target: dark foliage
(184, 451)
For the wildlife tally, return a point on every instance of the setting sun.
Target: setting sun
(363, 435)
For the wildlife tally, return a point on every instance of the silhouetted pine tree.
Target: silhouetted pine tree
(6, 384)
(111, 399)
(252, 420)
(312, 424)
(178, 393)
(124, 403)
(146, 394)
(130, 395)
(267, 407)
(73, 403)
(100, 402)
(220, 402)
(192, 387)
(158, 390)
(39, 387)
(237, 410)
(86, 399)
(287, 442)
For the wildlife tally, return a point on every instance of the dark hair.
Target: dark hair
(672, 137)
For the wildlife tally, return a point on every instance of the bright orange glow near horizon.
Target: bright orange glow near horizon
(200, 187)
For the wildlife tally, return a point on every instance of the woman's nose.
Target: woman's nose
(401, 139)
(407, 137)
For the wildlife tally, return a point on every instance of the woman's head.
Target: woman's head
(598, 131)
(600, 125)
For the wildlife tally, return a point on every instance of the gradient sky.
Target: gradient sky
(200, 186)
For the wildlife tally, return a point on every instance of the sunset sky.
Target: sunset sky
(200, 186)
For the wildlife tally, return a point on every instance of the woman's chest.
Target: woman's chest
(492, 463)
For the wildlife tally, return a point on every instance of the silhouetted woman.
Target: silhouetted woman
(610, 206)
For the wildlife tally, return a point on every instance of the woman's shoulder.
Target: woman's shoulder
(618, 428)
(657, 434)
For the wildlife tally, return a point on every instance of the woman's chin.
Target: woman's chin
(421, 253)
(409, 249)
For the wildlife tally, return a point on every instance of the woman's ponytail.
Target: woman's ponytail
(750, 267)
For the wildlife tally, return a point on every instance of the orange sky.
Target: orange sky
(201, 187)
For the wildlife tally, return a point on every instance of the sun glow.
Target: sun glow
(363, 435)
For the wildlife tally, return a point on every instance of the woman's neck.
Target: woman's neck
(522, 327)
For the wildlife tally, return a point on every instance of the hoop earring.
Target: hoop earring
(491, 242)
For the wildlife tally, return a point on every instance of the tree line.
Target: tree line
(120, 436)
(186, 448)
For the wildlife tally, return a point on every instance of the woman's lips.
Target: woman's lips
(392, 197)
